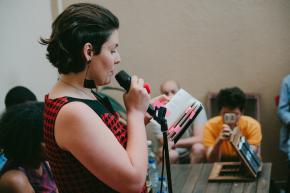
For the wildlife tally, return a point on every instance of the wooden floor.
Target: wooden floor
(194, 178)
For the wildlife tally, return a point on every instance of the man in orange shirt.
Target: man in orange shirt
(218, 130)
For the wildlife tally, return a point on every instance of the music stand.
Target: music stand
(159, 116)
(247, 169)
(183, 109)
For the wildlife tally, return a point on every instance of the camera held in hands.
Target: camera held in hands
(230, 118)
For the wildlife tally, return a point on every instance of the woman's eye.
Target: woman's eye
(113, 51)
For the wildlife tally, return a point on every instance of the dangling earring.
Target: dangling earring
(89, 83)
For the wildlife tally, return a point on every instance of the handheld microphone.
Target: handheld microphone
(124, 79)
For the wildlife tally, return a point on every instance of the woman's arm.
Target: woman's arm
(82, 132)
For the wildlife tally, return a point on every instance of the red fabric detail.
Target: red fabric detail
(117, 128)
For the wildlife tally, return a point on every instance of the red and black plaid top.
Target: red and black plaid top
(70, 175)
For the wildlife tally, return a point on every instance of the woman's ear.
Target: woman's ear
(88, 52)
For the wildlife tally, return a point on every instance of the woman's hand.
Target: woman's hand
(137, 98)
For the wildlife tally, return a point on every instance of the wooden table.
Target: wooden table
(193, 178)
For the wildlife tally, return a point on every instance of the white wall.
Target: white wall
(23, 59)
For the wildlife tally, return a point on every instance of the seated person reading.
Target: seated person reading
(189, 147)
(217, 131)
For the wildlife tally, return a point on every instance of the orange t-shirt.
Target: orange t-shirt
(249, 127)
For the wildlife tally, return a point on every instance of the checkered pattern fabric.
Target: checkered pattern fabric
(70, 175)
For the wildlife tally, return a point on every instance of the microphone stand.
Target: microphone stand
(159, 116)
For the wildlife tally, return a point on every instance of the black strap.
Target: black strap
(104, 100)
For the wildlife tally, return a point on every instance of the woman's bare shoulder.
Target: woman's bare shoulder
(74, 120)
(75, 108)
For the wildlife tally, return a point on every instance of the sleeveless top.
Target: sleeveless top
(70, 175)
(41, 184)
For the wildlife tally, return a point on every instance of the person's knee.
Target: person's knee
(173, 156)
(198, 153)
(198, 149)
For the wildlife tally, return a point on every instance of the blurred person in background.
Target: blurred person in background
(217, 131)
(21, 138)
(189, 148)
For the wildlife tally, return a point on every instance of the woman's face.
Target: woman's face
(102, 66)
